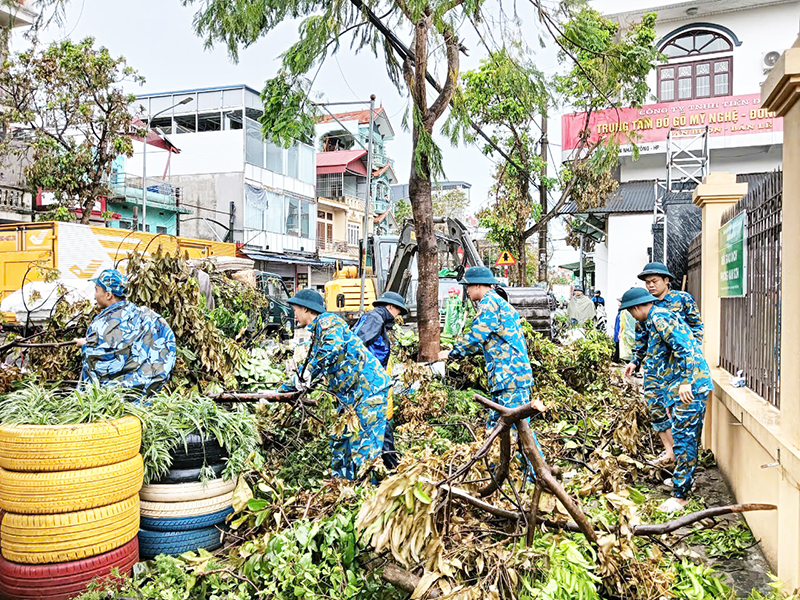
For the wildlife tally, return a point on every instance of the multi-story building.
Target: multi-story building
(16, 204)
(236, 185)
(705, 115)
(438, 189)
(342, 181)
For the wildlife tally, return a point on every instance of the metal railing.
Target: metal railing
(750, 326)
(336, 246)
(13, 199)
(694, 281)
(129, 187)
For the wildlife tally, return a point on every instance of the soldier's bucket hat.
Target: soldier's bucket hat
(656, 268)
(478, 276)
(392, 298)
(309, 299)
(636, 296)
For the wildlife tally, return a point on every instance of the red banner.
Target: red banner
(727, 116)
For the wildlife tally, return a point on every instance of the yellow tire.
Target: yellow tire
(70, 491)
(36, 539)
(69, 447)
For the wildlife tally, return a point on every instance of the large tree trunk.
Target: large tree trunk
(522, 263)
(419, 184)
(419, 189)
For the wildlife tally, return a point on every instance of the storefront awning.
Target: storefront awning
(284, 259)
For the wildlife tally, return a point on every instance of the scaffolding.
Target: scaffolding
(687, 166)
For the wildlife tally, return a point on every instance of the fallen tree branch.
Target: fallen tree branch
(287, 397)
(638, 530)
(502, 471)
(483, 505)
(405, 580)
(685, 520)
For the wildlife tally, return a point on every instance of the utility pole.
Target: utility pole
(543, 203)
(367, 216)
(581, 262)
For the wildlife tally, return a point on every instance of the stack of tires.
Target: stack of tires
(69, 496)
(179, 512)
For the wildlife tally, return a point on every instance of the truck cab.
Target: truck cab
(279, 317)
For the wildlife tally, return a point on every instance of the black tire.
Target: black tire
(189, 475)
(153, 543)
(197, 452)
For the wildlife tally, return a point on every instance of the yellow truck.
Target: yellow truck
(29, 250)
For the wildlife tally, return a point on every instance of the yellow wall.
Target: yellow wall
(757, 446)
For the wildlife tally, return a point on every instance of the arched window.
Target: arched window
(708, 77)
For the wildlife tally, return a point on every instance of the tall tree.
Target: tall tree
(288, 113)
(452, 203)
(69, 119)
(507, 93)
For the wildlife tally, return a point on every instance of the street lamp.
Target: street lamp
(144, 157)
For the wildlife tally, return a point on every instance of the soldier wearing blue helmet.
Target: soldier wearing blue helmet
(657, 278)
(373, 329)
(353, 375)
(497, 333)
(678, 375)
(125, 344)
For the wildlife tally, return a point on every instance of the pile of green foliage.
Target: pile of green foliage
(164, 282)
(167, 419)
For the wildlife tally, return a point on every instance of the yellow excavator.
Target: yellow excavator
(391, 266)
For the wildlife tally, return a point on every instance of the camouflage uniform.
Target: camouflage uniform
(684, 306)
(496, 332)
(674, 358)
(128, 345)
(359, 382)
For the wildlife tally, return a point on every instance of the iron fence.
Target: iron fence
(694, 262)
(750, 325)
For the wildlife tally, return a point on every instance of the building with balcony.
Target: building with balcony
(229, 183)
(342, 182)
(16, 204)
(705, 115)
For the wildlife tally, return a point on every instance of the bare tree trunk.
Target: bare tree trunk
(522, 263)
(419, 183)
(419, 189)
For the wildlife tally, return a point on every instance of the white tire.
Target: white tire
(192, 508)
(183, 492)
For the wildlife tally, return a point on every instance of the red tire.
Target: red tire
(62, 581)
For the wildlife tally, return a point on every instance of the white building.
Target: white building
(238, 186)
(15, 203)
(719, 53)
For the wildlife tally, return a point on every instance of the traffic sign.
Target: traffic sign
(505, 259)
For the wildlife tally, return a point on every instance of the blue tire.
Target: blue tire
(153, 543)
(185, 523)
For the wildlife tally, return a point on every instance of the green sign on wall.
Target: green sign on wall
(733, 257)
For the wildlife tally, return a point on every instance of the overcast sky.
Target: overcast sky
(158, 40)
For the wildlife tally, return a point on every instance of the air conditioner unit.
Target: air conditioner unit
(768, 60)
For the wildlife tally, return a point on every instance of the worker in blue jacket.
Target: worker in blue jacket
(373, 329)
(496, 332)
(353, 375)
(674, 368)
(657, 279)
(126, 345)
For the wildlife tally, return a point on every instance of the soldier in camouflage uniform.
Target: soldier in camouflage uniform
(657, 278)
(674, 367)
(496, 331)
(353, 375)
(126, 345)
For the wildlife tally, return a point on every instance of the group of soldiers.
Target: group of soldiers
(677, 380)
(134, 347)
